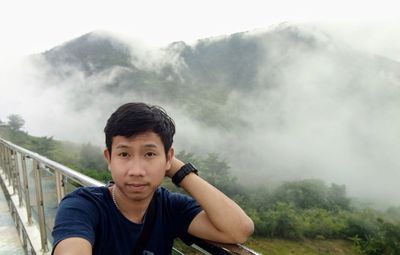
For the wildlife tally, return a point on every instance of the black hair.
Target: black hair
(134, 118)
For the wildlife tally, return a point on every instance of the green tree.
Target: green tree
(394, 212)
(15, 121)
(91, 157)
(361, 224)
(282, 221)
(44, 146)
(321, 223)
(303, 194)
(386, 240)
(337, 197)
(216, 171)
(313, 193)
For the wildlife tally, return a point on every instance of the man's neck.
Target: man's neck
(134, 210)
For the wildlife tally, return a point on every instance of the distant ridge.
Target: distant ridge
(91, 53)
(210, 70)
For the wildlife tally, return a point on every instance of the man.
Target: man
(111, 220)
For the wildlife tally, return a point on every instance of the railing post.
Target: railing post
(8, 166)
(26, 190)
(40, 205)
(18, 178)
(59, 186)
(13, 171)
(5, 162)
(2, 155)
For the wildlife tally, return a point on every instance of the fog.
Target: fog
(320, 122)
(317, 122)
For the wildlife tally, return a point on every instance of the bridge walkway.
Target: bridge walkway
(9, 239)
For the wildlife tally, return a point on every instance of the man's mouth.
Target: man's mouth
(136, 186)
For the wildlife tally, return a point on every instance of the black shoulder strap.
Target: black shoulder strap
(149, 221)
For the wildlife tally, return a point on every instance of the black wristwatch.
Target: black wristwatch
(182, 172)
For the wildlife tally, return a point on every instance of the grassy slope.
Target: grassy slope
(285, 247)
(307, 247)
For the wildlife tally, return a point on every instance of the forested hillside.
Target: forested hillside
(301, 210)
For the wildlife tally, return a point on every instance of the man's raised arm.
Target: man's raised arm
(222, 219)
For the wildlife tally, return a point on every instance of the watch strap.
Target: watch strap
(182, 173)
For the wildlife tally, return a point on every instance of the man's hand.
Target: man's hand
(176, 164)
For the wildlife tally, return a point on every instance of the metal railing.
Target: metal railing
(36, 186)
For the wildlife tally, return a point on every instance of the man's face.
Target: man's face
(138, 164)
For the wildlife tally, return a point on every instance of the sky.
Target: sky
(29, 27)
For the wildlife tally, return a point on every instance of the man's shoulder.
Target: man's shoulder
(88, 193)
(173, 198)
(89, 190)
(178, 209)
(164, 193)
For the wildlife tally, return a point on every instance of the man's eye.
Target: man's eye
(123, 154)
(150, 154)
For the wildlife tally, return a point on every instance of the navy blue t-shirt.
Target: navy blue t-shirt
(90, 213)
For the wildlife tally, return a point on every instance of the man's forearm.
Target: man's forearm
(222, 211)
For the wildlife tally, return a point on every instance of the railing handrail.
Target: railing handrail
(68, 172)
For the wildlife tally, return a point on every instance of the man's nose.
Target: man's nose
(136, 168)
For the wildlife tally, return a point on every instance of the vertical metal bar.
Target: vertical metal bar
(63, 185)
(24, 242)
(26, 190)
(5, 161)
(8, 166)
(18, 176)
(2, 156)
(59, 184)
(40, 205)
(13, 172)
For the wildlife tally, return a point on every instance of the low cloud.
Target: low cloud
(314, 118)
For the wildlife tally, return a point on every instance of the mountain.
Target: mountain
(285, 102)
(91, 53)
(215, 73)
(240, 61)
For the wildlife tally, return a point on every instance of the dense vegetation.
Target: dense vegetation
(295, 210)
(85, 158)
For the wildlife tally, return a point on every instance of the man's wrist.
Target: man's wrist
(182, 173)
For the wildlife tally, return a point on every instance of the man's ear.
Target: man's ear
(170, 156)
(107, 156)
